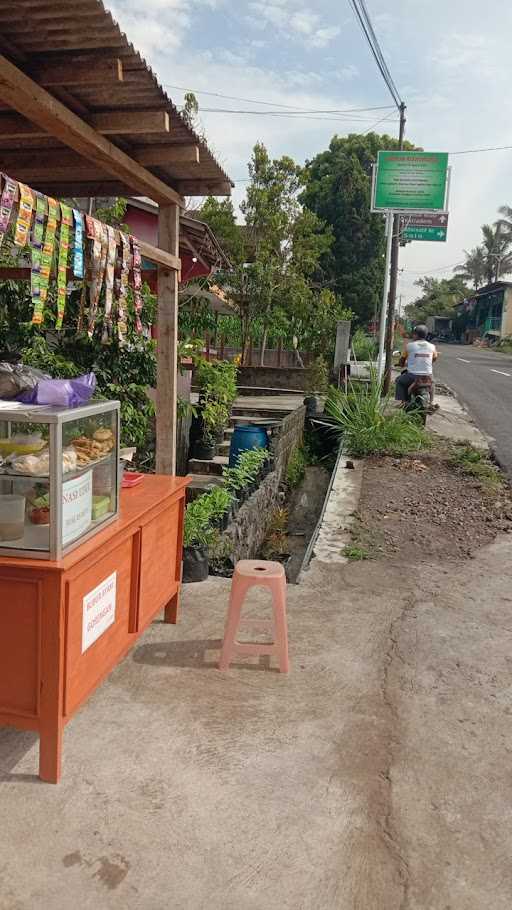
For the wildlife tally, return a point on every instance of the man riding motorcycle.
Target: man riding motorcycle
(418, 357)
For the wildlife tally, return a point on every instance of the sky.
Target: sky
(449, 60)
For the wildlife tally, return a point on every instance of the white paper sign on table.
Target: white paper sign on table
(98, 611)
(76, 507)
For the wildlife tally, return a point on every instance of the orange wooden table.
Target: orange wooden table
(65, 625)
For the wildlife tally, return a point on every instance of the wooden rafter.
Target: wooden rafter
(46, 162)
(93, 72)
(38, 105)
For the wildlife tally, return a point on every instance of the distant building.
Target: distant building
(487, 314)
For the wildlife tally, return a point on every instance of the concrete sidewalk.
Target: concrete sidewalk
(374, 777)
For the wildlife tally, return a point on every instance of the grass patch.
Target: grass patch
(366, 543)
(357, 554)
(369, 427)
(475, 463)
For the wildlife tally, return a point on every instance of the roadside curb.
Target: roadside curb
(332, 533)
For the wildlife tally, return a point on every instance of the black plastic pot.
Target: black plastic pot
(203, 452)
(195, 564)
(311, 402)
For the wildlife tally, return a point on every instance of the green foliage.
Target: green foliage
(219, 500)
(221, 217)
(338, 190)
(476, 463)
(276, 539)
(218, 390)
(275, 256)
(317, 376)
(356, 553)
(367, 425)
(438, 297)
(247, 469)
(197, 529)
(296, 468)
(365, 346)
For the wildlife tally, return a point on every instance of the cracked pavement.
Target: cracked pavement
(376, 776)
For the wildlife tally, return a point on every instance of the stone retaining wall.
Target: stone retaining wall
(248, 531)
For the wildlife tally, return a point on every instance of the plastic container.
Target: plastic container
(246, 437)
(12, 517)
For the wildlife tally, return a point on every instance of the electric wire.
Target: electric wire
(291, 107)
(363, 17)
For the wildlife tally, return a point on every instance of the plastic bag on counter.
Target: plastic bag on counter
(62, 393)
(18, 379)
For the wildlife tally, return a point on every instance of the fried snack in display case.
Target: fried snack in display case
(59, 476)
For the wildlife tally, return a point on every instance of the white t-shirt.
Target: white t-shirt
(420, 357)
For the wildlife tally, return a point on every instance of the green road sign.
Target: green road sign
(410, 181)
(424, 233)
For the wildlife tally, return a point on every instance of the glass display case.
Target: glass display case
(59, 476)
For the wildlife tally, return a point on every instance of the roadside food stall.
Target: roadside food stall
(84, 565)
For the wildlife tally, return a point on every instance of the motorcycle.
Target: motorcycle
(419, 398)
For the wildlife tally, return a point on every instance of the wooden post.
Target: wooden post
(279, 351)
(167, 353)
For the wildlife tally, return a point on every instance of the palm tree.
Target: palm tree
(497, 242)
(473, 270)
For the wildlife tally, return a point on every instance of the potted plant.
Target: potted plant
(197, 535)
(214, 416)
(234, 481)
(219, 504)
(317, 383)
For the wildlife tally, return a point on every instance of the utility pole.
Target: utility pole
(393, 280)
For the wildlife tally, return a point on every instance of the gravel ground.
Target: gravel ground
(423, 507)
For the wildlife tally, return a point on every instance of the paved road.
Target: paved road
(482, 380)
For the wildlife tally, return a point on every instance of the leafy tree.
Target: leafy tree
(275, 254)
(496, 249)
(474, 268)
(220, 216)
(338, 190)
(438, 297)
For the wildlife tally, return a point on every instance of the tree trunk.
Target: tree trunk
(263, 347)
(300, 361)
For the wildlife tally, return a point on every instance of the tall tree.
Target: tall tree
(474, 269)
(276, 253)
(438, 297)
(287, 240)
(496, 247)
(338, 190)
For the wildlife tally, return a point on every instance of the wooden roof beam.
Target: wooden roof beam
(27, 164)
(14, 126)
(38, 105)
(203, 187)
(95, 72)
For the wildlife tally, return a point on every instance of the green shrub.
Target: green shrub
(247, 469)
(317, 376)
(363, 420)
(218, 501)
(296, 468)
(364, 346)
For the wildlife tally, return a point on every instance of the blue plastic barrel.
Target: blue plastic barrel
(246, 437)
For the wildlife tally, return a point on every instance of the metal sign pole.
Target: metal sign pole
(384, 309)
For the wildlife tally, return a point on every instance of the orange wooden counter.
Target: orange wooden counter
(65, 625)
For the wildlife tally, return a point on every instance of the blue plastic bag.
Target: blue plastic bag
(61, 393)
